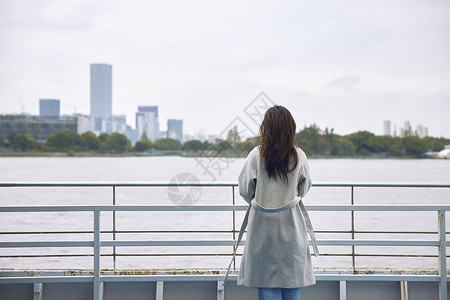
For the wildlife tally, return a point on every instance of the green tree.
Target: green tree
(141, 146)
(312, 134)
(396, 147)
(377, 144)
(233, 137)
(414, 146)
(144, 145)
(221, 145)
(345, 148)
(304, 144)
(364, 152)
(24, 142)
(2, 140)
(103, 137)
(117, 143)
(360, 139)
(168, 144)
(90, 141)
(194, 145)
(11, 139)
(245, 147)
(63, 140)
(435, 144)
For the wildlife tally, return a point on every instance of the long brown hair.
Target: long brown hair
(278, 145)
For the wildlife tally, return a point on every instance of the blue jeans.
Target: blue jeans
(278, 294)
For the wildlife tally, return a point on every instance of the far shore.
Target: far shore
(179, 154)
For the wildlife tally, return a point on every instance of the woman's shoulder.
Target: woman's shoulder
(254, 152)
(301, 153)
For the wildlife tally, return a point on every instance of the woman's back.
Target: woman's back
(273, 192)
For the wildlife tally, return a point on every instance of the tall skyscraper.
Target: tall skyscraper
(101, 90)
(153, 109)
(387, 128)
(175, 129)
(49, 108)
(147, 121)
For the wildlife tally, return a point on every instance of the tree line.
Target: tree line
(315, 141)
(311, 139)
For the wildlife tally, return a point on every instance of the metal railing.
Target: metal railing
(97, 243)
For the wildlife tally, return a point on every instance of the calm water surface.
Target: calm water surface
(163, 169)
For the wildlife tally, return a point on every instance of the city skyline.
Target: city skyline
(343, 65)
(101, 107)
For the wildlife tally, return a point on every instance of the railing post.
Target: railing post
(404, 290)
(38, 291)
(353, 229)
(97, 290)
(114, 228)
(220, 290)
(234, 227)
(442, 256)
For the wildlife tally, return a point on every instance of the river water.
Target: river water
(164, 169)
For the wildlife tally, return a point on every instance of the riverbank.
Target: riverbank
(7, 153)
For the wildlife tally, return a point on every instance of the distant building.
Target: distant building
(421, 131)
(111, 124)
(49, 108)
(188, 137)
(37, 127)
(85, 124)
(162, 134)
(116, 123)
(101, 93)
(153, 109)
(387, 128)
(175, 129)
(212, 138)
(147, 121)
(407, 131)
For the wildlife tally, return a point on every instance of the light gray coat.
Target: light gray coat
(276, 252)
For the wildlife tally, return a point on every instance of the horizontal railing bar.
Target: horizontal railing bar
(381, 184)
(393, 232)
(378, 255)
(215, 184)
(324, 207)
(45, 279)
(211, 231)
(358, 207)
(357, 242)
(123, 255)
(373, 278)
(233, 243)
(191, 278)
(118, 231)
(46, 244)
(208, 254)
(50, 255)
(176, 243)
(117, 184)
(81, 208)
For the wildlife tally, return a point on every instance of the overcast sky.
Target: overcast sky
(346, 65)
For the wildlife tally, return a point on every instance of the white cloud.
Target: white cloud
(345, 82)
